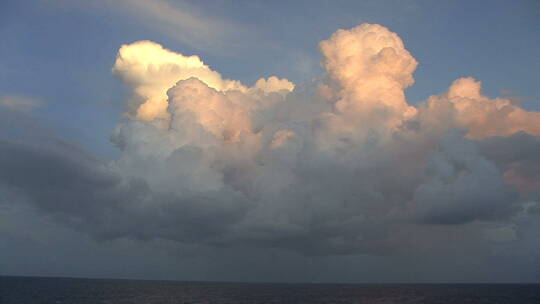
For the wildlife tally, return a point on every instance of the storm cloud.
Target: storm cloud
(342, 165)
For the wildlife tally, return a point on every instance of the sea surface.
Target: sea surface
(22, 290)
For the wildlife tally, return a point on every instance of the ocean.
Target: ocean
(35, 290)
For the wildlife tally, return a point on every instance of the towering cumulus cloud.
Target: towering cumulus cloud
(345, 166)
(371, 68)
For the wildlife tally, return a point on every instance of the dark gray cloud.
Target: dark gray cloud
(519, 152)
(519, 157)
(87, 195)
(327, 207)
(463, 186)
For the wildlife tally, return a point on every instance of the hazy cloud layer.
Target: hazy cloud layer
(344, 165)
(183, 22)
(18, 103)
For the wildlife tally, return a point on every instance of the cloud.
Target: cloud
(338, 166)
(518, 156)
(151, 70)
(371, 68)
(184, 23)
(19, 103)
(274, 84)
(463, 186)
(484, 117)
(90, 196)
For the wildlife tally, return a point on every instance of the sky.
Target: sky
(282, 141)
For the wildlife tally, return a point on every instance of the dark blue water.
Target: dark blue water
(21, 290)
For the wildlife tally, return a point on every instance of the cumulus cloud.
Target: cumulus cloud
(344, 165)
(483, 117)
(151, 70)
(518, 155)
(371, 67)
(463, 186)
